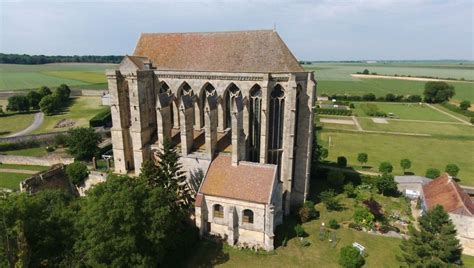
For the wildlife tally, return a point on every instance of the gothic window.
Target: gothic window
(218, 211)
(208, 92)
(275, 126)
(295, 138)
(164, 88)
(248, 216)
(255, 107)
(231, 93)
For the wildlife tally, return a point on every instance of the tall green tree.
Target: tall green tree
(386, 167)
(18, 103)
(432, 173)
(435, 244)
(44, 91)
(438, 91)
(34, 99)
(386, 185)
(464, 105)
(49, 104)
(63, 92)
(77, 172)
(362, 158)
(452, 170)
(405, 164)
(83, 143)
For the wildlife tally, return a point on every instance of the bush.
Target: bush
(307, 212)
(457, 109)
(362, 215)
(299, 230)
(60, 140)
(414, 98)
(50, 104)
(10, 146)
(390, 97)
(452, 170)
(365, 71)
(371, 109)
(333, 224)
(350, 190)
(77, 172)
(350, 257)
(50, 149)
(18, 103)
(368, 97)
(432, 173)
(328, 198)
(387, 185)
(355, 226)
(342, 161)
(101, 119)
(438, 92)
(464, 105)
(385, 167)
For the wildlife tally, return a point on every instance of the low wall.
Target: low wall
(37, 161)
(55, 178)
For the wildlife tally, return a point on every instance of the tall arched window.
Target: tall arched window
(255, 107)
(295, 138)
(275, 126)
(208, 92)
(247, 216)
(164, 88)
(231, 93)
(184, 89)
(218, 211)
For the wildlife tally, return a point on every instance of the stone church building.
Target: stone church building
(237, 106)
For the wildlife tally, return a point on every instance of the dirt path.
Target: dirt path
(38, 120)
(19, 171)
(383, 132)
(448, 114)
(403, 78)
(356, 123)
(349, 170)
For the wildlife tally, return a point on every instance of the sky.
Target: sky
(313, 30)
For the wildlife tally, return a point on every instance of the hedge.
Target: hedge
(371, 109)
(371, 97)
(9, 146)
(333, 111)
(102, 119)
(458, 110)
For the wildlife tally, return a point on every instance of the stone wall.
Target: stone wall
(465, 228)
(37, 161)
(94, 178)
(55, 178)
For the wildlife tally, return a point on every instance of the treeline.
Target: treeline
(42, 59)
(47, 101)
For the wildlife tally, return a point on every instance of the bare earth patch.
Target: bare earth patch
(380, 120)
(65, 123)
(337, 121)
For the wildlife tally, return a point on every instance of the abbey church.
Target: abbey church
(238, 108)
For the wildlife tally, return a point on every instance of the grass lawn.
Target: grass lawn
(411, 111)
(424, 152)
(13, 122)
(12, 180)
(81, 110)
(36, 151)
(18, 76)
(23, 167)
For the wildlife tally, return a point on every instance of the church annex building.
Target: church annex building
(237, 106)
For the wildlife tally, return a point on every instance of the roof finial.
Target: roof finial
(274, 27)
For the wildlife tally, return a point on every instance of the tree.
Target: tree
(63, 92)
(390, 97)
(438, 91)
(362, 215)
(464, 105)
(362, 158)
(405, 164)
(18, 103)
(432, 173)
(36, 230)
(44, 91)
(368, 97)
(386, 167)
(342, 161)
(34, 99)
(386, 185)
(365, 71)
(350, 257)
(126, 223)
(49, 104)
(452, 170)
(307, 212)
(328, 198)
(77, 172)
(82, 143)
(435, 244)
(335, 178)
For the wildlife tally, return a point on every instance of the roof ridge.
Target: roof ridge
(215, 32)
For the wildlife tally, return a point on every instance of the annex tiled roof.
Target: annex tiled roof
(446, 192)
(252, 182)
(242, 51)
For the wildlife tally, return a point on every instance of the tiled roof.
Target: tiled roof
(137, 62)
(248, 181)
(242, 51)
(446, 192)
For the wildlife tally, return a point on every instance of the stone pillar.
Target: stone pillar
(176, 123)
(197, 113)
(210, 124)
(120, 131)
(109, 164)
(232, 226)
(221, 114)
(187, 131)
(236, 121)
(264, 123)
(269, 227)
(307, 119)
(163, 117)
(94, 163)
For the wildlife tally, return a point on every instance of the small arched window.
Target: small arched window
(218, 211)
(248, 216)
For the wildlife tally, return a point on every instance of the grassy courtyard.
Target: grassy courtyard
(12, 180)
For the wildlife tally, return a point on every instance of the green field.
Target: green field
(12, 180)
(36, 151)
(18, 77)
(336, 78)
(24, 167)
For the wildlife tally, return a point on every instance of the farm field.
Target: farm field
(20, 77)
(336, 78)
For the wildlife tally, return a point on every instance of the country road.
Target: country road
(38, 120)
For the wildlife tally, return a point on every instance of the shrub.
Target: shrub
(365, 71)
(330, 111)
(9, 146)
(414, 98)
(368, 97)
(333, 224)
(390, 97)
(299, 230)
(101, 119)
(60, 140)
(387, 185)
(432, 173)
(362, 215)
(77, 172)
(50, 149)
(350, 190)
(385, 167)
(18, 103)
(335, 179)
(307, 212)
(350, 257)
(464, 105)
(452, 170)
(328, 198)
(457, 109)
(355, 226)
(50, 104)
(438, 91)
(342, 161)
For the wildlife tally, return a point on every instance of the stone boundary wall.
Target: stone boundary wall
(37, 161)
(55, 178)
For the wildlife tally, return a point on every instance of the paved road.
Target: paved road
(38, 120)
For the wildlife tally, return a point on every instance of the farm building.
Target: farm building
(238, 108)
(446, 192)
